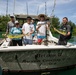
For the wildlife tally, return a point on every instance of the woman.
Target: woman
(16, 31)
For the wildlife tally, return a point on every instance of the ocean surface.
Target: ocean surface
(64, 72)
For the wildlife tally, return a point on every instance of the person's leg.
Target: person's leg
(65, 42)
(40, 38)
(62, 42)
(30, 42)
(25, 41)
(14, 42)
(19, 42)
(39, 41)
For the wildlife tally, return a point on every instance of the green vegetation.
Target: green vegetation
(56, 24)
(3, 23)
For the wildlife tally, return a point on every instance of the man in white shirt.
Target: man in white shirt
(28, 29)
(41, 28)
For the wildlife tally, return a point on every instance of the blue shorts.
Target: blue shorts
(41, 37)
(28, 41)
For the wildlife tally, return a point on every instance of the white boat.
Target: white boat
(37, 57)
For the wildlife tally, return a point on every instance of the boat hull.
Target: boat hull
(36, 59)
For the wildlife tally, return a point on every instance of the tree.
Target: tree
(54, 23)
(3, 22)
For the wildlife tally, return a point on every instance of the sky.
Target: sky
(63, 8)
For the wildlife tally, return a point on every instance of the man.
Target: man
(65, 27)
(41, 28)
(28, 29)
(10, 24)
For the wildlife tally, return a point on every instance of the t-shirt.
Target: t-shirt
(27, 29)
(66, 28)
(42, 29)
(9, 26)
(16, 31)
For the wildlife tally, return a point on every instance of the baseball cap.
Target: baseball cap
(12, 16)
(16, 22)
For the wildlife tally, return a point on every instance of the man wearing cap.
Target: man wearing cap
(28, 29)
(10, 24)
(41, 28)
(16, 30)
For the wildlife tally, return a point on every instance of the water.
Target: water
(68, 72)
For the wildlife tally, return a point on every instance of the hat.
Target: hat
(42, 15)
(28, 17)
(16, 22)
(33, 18)
(12, 16)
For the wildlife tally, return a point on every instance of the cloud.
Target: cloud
(63, 7)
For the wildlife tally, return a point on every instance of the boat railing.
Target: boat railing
(50, 41)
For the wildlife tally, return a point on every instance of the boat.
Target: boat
(37, 58)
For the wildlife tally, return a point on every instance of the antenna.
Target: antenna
(14, 8)
(38, 10)
(7, 8)
(52, 14)
(45, 9)
(27, 8)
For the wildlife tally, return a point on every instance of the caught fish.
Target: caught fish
(60, 31)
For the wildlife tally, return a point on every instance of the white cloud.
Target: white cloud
(20, 7)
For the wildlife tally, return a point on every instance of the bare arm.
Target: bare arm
(38, 27)
(23, 31)
(68, 34)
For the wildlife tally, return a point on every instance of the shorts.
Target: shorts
(40, 38)
(28, 41)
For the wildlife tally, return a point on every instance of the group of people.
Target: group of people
(28, 30)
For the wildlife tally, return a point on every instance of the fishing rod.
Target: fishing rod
(46, 42)
(60, 32)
